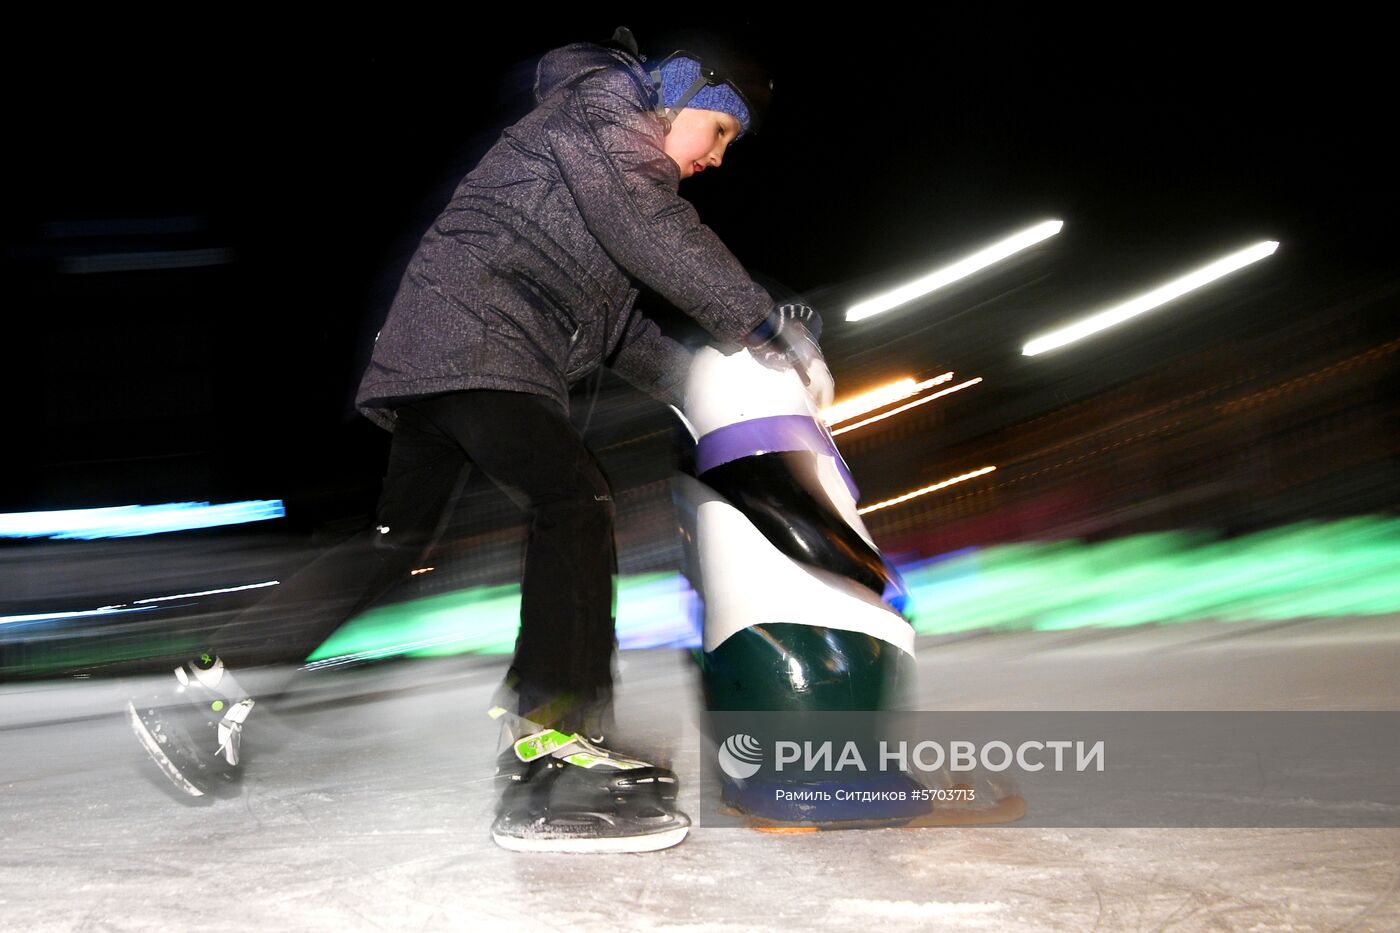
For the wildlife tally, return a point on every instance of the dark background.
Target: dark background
(316, 152)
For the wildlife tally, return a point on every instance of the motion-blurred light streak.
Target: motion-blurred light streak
(126, 607)
(653, 610)
(127, 521)
(926, 490)
(150, 259)
(959, 270)
(56, 616)
(879, 397)
(903, 408)
(1159, 296)
(1313, 571)
(227, 589)
(1339, 569)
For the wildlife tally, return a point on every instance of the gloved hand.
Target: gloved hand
(788, 340)
(764, 338)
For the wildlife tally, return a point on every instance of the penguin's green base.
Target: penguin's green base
(789, 667)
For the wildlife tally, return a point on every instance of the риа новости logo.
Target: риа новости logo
(740, 756)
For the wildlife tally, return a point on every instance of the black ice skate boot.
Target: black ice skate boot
(192, 730)
(565, 793)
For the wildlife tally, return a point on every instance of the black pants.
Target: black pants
(562, 672)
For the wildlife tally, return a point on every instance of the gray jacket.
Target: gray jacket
(525, 281)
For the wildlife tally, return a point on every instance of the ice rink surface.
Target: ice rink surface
(368, 798)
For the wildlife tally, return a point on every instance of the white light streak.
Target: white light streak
(958, 270)
(125, 521)
(51, 616)
(1153, 299)
(888, 394)
(124, 607)
(227, 589)
(903, 408)
(926, 490)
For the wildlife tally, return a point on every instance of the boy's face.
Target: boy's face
(698, 139)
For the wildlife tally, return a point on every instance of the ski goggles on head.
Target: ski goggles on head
(684, 81)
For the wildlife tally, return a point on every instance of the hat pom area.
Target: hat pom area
(678, 73)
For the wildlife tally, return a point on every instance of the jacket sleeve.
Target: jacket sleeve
(609, 152)
(652, 362)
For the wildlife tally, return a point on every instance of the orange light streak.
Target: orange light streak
(926, 490)
(903, 408)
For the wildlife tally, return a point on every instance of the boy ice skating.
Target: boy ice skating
(523, 286)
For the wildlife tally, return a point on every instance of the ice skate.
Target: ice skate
(565, 793)
(193, 731)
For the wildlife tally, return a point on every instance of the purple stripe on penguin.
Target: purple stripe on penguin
(766, 436)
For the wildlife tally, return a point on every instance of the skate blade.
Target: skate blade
(1005, 810)
(651, 842)
(152, 747)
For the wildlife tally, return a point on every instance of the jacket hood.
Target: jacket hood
(565, 65)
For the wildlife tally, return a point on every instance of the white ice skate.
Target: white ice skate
(194, 731)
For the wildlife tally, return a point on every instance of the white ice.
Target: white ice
(368, 798)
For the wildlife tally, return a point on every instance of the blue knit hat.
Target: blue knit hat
(678, 73)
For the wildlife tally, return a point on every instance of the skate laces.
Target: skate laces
(231, 730)
(571, 747)
(211, 678)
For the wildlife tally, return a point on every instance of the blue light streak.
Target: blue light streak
(127, 521)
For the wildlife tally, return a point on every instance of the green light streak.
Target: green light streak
(482, 620)
(650, 609)
(1311, 570)
(1342, 568)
